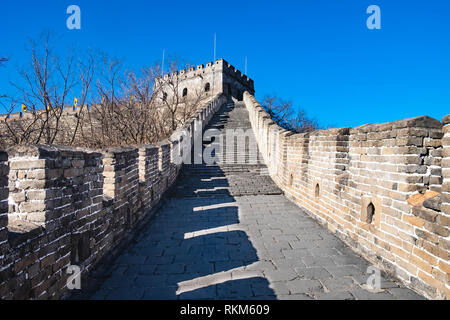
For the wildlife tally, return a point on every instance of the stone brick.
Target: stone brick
(437, 229)
(32, 206)
(27, 164)
(433, 203)
(415, 221)
(426, 214)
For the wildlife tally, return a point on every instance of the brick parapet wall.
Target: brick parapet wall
(62, 206)
(4, 194)
(444, 218)
(445, 207)
(121, 176)
(63, 188)
(148, 173)
(400, 169)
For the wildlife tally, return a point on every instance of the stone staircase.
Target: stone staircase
(240, 171)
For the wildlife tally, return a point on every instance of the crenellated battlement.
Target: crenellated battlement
(15, 116)
(220, 69)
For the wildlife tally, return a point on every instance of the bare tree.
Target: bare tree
(302, 123)
(49, 83)
(122, 113)
(280, 111)
(284, 114)
(86, 73)
(136, 107)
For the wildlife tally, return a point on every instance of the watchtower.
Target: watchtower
(209, 79)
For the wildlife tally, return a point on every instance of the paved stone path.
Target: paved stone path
(229, 233)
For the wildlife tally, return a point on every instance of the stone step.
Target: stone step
(228, 177)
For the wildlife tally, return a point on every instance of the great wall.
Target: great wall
(382, 190)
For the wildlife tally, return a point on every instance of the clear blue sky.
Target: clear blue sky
(317, 53)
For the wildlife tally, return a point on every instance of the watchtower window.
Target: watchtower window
(370, 212)
(207, 87)
(185, 90)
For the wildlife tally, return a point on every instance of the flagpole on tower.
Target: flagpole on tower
(162, 65)
(245, 65)
(215, 39)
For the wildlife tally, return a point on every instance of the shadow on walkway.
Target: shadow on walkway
(194, 249)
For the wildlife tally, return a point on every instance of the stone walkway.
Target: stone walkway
(229, 233)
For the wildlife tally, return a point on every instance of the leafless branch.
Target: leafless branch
(284, 114)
